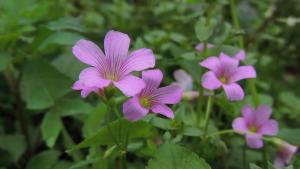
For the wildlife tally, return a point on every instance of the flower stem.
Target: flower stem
(251, 82)
(265, 157)
(207, 114)
(244, 155)
(112, 107)
(236, 22)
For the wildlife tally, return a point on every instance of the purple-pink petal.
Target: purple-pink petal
(248, 114)
(241, 55)
(133, 110)
(269, 127)
(243, 72)
(233, 91)
(163, 110)
(152, 79)
(168, 95)
(91, 77)
(139, 60)
(239, 125)
(228, 63)
(116, 45)
(184, 80)
(254, 141)
(262, 114)
(285, 154)
(85, 90)
(130, 85)
(210, 81)
(88, 53)
(211, 63)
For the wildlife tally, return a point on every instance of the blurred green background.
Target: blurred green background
(41, 117)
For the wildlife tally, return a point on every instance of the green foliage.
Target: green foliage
(51, 127)
(14, 145)
(41, 117)
(171, 156)
(204, 29)
(290, 135)
(5, 60)
(42, 85)
(45, 159)
(117, 132)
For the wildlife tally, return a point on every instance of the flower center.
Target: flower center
(112, 77)
(145, 102)
(253, 128)
(224, 79)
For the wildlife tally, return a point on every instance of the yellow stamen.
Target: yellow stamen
(253, 128)
(145, 102)
(111, 77)
(223, 79)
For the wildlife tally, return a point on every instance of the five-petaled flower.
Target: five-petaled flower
(152, 98)
(225, 71)
(185, 81)
(254, 124)
(285, 153)
(113, 67)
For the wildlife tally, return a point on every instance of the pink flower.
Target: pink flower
(225, 72)
(185, 81)
(152, 98)
(285, 154)
(200, 46)
(113, 67)
(241, 55)
(254, 124)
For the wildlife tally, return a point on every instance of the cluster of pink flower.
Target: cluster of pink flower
(115, 67)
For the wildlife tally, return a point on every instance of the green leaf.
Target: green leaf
(290, 100)
(69, 107)
(192, 131)
(162, 123)
(42, 84)
(67, 23)
(254, 166)
(172, 156)
(13, 144)
(116, 133)
(204, 30)
(84, 163)
(51, 127)
(44, 160)
(69, 65)
(93, 122)
(60, 38)
(62, 165)
(290, 135)
(5, 59)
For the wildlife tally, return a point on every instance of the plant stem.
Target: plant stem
(251, 82)
(229, 131)
(207, 114)
(19, 113)
(236, 22)
(265, 157)
(112, 107)
(244, 155)
(255, 98)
